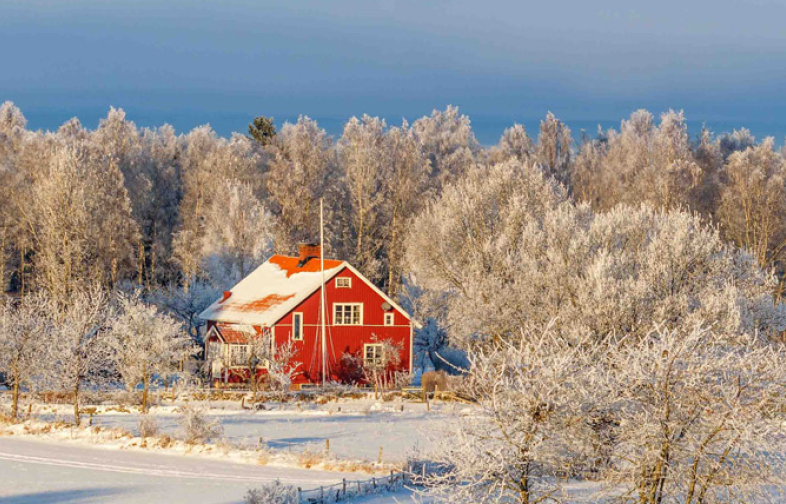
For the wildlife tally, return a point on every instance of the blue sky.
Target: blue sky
(192, 62)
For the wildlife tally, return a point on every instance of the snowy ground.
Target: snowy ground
(38, 472)
(356, 429)
(57, 467)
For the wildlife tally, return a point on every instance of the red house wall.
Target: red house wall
(342, 338)
(349, 339)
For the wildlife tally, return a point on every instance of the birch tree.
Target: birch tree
(302, 161)
(363, 156)
(23, 328)
(238, 234)
(752, 211)
(146, 343)
(532, 397)
(78, 348)
(700, 416)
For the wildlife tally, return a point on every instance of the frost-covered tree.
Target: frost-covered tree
(208, 161)
(405, 190)
(447, 140)
(156, 199)
(699, 416)
(81, 226)
(736, 141)
(531, 396)
(362, 155)
(187, 304)
(553, 152)
(23, 326)
(78, 350)
(147, 344)
(752, 211)
(643, 162)
(302, 161)
(238, 234)
(515, 143)
(511, 252)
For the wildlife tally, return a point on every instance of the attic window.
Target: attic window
(343, 282)
(388, 319)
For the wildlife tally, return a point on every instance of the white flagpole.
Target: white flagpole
(322, 269)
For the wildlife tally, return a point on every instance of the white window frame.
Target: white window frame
(377, 359)
(297, 335)
(234, 349)
(340, 321)
(340, 281)
(389, 319)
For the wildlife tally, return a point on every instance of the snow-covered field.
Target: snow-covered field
(46, 472)
(60, 466)
(356, 429)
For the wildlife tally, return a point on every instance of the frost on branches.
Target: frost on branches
(147, 344)
(78, 353)
(529, 423)
(22, 328)
(700, 416)
(512, 252)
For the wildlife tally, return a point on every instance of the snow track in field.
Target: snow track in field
(35, 471)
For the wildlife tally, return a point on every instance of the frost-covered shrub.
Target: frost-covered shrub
(272, 493)
(147, 426)
(196, 427)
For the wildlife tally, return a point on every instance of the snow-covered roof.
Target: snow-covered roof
(271, 291)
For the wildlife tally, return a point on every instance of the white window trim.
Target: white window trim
(365, 351)
(347, 286)
(360, 305)
(297, 337)
(390, 319)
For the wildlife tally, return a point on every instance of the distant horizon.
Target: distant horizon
(487, 128)
(190, 62)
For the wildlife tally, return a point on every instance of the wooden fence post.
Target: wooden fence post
(380, 455)
(344, 486)
(327, 447)
(299, 495)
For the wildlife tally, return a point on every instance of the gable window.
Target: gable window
(343, 282)
(347, 313)
(297, 326)
(388, 319)
(372, 355)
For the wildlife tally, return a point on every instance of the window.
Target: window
(297, 326)
(372, 355)
(348, 314)
(238, 355)
(388, 319)
(343, 282)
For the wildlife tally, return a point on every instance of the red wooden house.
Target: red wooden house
(283, 295)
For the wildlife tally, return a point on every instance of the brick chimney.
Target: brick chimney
(309, 250)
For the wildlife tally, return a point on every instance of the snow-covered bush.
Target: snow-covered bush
(147, 426)
(272, 493)
(196, 427)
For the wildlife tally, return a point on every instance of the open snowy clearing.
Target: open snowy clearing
(39, 472)
(356, 429)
